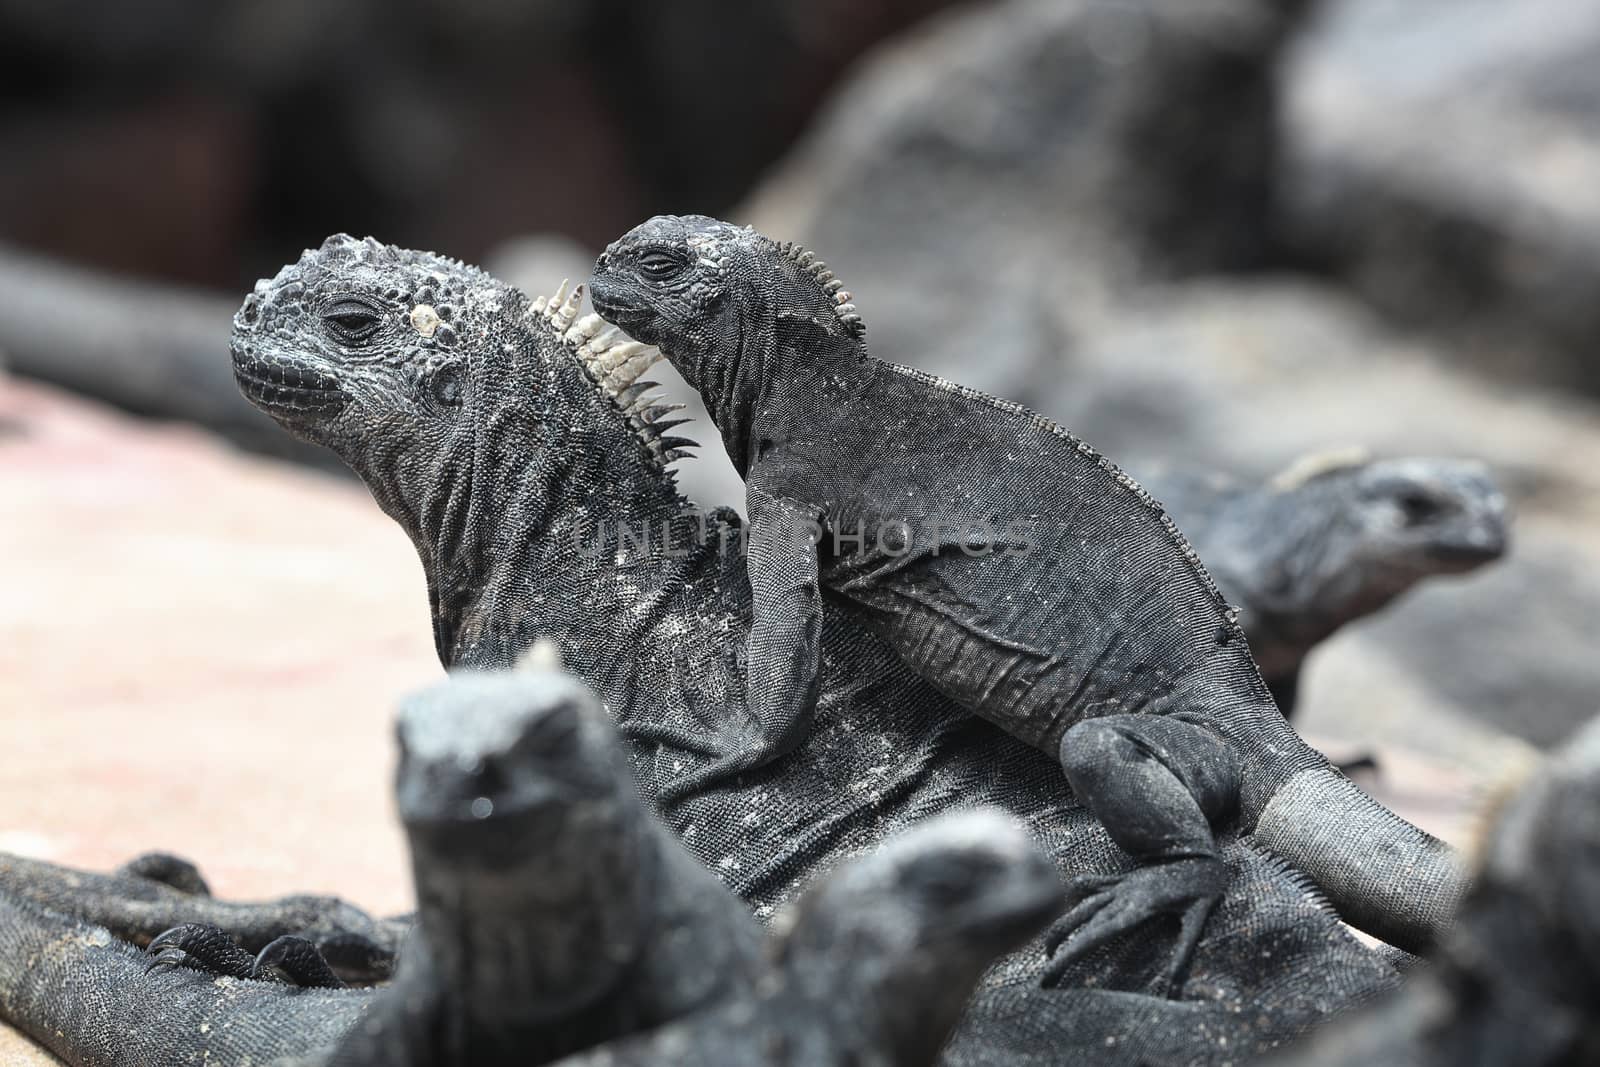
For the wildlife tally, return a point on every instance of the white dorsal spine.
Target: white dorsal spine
(832, 286)
(614, 362)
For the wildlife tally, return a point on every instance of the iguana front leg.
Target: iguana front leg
(208, 948)
(783, 657)
(1156, 784)
(141, 901)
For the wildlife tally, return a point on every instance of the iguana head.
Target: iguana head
(910, 928)
(532, 852)
(718, 300)
(1355, 533)
(472, 412)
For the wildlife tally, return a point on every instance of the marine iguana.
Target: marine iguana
(1333, 538)
(509, 439)
(1016, 569)
(1517, 977)
(555, 913)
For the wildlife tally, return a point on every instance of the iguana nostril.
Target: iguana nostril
(252, 311)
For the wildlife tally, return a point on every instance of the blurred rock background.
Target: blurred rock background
(1206, 234)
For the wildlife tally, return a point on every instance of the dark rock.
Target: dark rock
(1441, 157)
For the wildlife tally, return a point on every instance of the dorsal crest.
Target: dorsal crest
(1317, 465)
(614, 363)
(841, 297)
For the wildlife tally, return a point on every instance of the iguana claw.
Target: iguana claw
(1108, 906)
(208, 948)
(201, 947)
(730, 755)
(297, 959)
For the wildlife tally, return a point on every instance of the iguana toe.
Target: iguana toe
(354, 957)
(1107, 907)
(298, 960)
(200, 947)
(168, 870)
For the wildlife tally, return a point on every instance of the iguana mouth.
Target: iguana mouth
(1467, 554)
(614, 362)
(287, 387)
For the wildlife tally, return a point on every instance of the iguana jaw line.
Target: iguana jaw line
(296, 390)
(615, 362)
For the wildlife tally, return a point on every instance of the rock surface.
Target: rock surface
(1441, 157)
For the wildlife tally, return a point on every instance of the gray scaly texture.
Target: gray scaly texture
(1332, 539)
(1016, 569)
(1517, 979)
(874, 966)
(157, 893)
(513, 442)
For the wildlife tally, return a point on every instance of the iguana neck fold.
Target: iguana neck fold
(508, 525)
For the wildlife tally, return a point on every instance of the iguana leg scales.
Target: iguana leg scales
(731, 754)
(1155, 783)
(299, 960)
(156, 894)
(201, 947)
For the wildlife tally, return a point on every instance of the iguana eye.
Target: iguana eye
(659, 265)
(351, 322)
(446, 385)
(1418, 508)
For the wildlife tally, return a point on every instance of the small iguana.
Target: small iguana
(554, 910)
(1333, 538)
(1024, 575)
(1516, 980)
(874, 965)
(554, 913)
(512, 441)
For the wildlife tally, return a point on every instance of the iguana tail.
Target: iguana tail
(1384, 875)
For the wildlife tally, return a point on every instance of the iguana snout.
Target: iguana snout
(289, 386)
(504, 748)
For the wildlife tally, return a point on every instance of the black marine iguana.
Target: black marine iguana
(1023, 574)
(1333, 538)
(510, 441)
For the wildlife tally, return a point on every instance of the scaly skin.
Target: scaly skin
(1023, 574)
(876, 963)
(553, 910)
(152, 895)
(505, 447)
(1331, 540)
(1517, 979)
